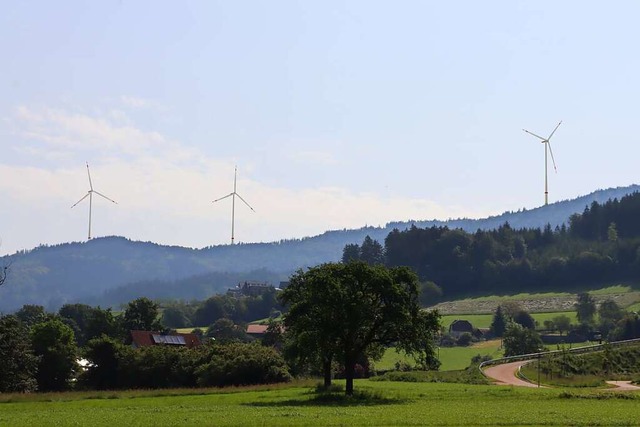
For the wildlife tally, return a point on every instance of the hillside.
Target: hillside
(108, 270)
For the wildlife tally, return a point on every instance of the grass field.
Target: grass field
(452, 358)
(375, 403)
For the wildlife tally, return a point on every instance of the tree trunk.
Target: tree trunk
(349, 373)
(326, 368)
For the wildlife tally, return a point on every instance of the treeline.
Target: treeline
(600, 245)
(42, 351)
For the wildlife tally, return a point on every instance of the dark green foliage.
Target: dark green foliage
(430, 293)
(465, 339)
(142, 315)
(627, 328)
(345, 311)
(108, 360)
(508, 260)
(518, 340)
(585, 308)
(239, 309)
(609, 314)
(562, 323)
(499, 323)
(371, 252)
(31, 315)
(224, 331)
(18, 364)
(89, 322)
(524, 319)
(53, 342)
(242, 364)
(175, 316)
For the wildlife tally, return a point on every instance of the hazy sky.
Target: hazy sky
(338, 114)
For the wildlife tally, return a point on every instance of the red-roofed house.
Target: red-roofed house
(149, 338)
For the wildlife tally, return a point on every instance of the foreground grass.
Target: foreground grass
(378, 403)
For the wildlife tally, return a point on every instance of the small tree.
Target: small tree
(519, 340)
(499, 323)
(142, 315)
(562, 323)
(585, 308)
(525, 319)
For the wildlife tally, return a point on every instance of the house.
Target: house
(250, 289)
(149, 338)
(459, 327)
(256, 330)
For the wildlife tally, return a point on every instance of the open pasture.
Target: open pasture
(375, 403)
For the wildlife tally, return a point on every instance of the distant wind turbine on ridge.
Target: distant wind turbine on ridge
(90, 196)
(547, 149)
(233, 203)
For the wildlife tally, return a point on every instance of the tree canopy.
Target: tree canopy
(344, 311)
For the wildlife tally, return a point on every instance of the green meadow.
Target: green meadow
(375, 403)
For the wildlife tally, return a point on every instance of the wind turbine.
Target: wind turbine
(90, 196)
(547, 149)
(233, 202)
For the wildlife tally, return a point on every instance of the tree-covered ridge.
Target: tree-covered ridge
(600, 245)
(113, 270)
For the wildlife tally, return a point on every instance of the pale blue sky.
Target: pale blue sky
(338, 114)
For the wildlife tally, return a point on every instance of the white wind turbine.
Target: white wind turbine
(547, 149)
(90, 196)
(233, 203)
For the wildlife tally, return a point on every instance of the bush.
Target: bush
(242, 364)
(465, 339)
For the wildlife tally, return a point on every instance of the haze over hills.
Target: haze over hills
(112, 270)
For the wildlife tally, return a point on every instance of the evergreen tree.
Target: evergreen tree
(499, 323)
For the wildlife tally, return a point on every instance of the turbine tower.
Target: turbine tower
(90, 196)
(547, 149)
(233, 203)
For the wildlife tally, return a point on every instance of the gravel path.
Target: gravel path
(505, 374)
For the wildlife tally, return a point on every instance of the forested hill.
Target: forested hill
(113, 266)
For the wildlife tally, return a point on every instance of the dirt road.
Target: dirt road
(506, 374)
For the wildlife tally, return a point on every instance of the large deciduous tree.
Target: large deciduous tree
(54, 343)
(344, 311)
(142, 314)
(18, 364)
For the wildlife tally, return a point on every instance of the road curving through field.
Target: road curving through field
(505, 374)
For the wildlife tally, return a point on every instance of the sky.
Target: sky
(338, 114)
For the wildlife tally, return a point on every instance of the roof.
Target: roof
(461, 325)
(149, 338)
(257, 329)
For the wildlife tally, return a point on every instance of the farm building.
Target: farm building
(459, 327)
(149, 338)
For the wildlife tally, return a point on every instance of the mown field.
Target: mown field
(376, 403)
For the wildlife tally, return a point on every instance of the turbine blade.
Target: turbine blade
(85, 196)
(554, 131)
(102, 195)
(228, 195)
(531, 133)
(552, 159)
(245, 202)
(89, 174)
